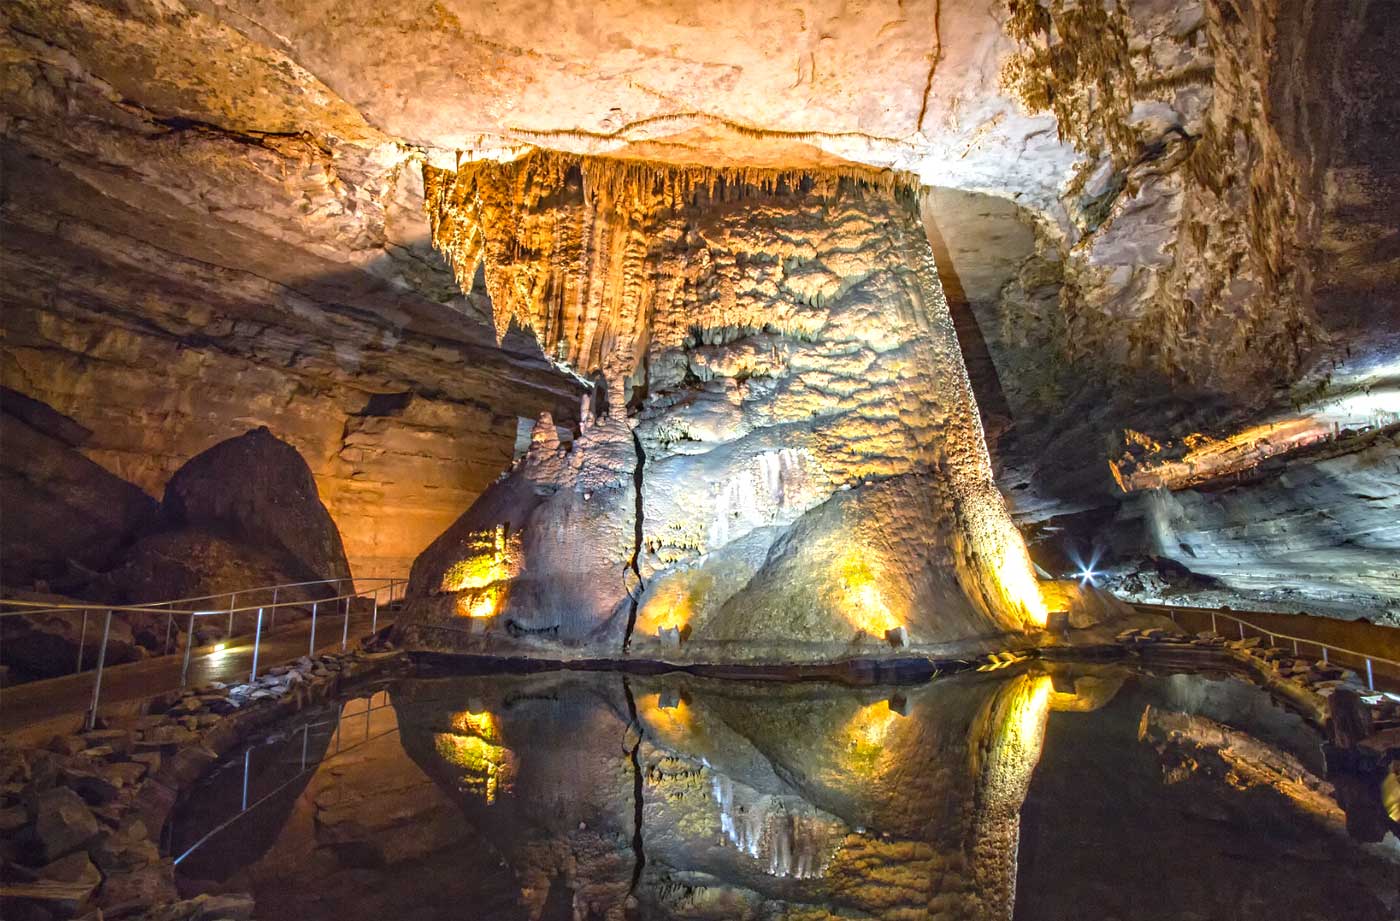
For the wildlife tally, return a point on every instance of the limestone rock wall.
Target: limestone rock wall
(1318, 533)
(60, 509)
(179, 270)
(772, 341)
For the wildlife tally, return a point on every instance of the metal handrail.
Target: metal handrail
(138, 609)
(35, 607)
(41, 607)
(303, 772)
(1214, 613)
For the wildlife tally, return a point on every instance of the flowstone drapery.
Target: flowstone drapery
(782, 458)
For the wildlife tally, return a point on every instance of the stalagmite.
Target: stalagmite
(787, 461)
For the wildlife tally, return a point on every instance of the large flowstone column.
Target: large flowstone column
(783, 459)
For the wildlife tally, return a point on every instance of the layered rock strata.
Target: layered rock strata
(782, 455)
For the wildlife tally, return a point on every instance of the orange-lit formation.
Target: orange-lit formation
(782, 456)
(481, 581)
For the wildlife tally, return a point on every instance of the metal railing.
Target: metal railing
(302, 771)
(1328, 650)
(391, 589)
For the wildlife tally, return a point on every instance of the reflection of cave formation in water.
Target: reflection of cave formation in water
(782, 831)
(755, 800)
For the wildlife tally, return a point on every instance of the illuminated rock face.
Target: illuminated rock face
(787, 460)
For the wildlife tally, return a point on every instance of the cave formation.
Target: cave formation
(1161, 236)
(611, 460)
(785, 444)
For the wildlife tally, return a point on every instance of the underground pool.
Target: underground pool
(1050, 792)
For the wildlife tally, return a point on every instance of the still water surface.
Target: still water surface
(1090, 792)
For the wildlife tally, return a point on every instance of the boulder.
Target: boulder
(77, 870)
(258, 487)
(59, 505)
(197, 561)
(63, 823)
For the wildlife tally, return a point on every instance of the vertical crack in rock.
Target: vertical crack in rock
(635, 754)
(781, 367)
(636, 592)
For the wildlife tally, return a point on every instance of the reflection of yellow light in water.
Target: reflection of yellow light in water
(1032, 706)
(476, 724)
(867, 730)
(865, 604)
(672, 720)
(474, 747)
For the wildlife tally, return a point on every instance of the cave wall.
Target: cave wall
(1213, 296)
(170, 283)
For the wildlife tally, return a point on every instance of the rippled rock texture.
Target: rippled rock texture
(783, 457)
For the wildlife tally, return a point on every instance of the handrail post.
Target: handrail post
(1324, 655)
(1295, 649)
(169, 627)
(345, 631)
(247, 758)
(231, 598)
(189, 647)
(91, 721)
(272, 616)
(257, 638)
(82, 640)
(1241, 623)
(1370, 678)
(311, 647)
(1212, 623)
(374, 616)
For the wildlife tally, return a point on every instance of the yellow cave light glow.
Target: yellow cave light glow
(1017, 579)
(483, 602)
(664, 611)
(480, 579)
(866, 608)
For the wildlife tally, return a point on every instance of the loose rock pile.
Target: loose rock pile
(80, 818)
